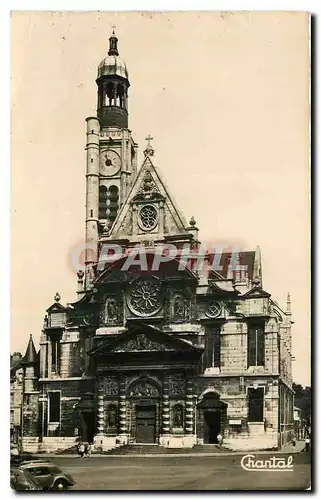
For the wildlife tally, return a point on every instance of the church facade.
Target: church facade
(168, 342)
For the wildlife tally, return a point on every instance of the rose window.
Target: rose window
(148, 217)
(145, 298)
(214, 310)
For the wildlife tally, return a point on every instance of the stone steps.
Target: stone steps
(135, 449)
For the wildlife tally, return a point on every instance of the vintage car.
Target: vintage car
(51, 477)
(23, 480)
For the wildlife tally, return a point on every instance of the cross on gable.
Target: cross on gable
(148, 139)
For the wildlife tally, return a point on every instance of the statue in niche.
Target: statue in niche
(111, 312)
(178, 306)
(112, 416)
(178, 416)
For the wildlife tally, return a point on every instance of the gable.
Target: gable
(256, 292)
(143, 338)
(56, 308)
(149, 210)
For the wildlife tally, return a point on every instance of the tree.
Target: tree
(302, 399)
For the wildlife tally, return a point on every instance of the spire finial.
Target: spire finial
(149, 151)
(288, 304)
(113, 50)
(57, 297)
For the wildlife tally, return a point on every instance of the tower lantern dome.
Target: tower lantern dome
(113, 83)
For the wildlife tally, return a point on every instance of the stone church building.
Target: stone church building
(158, 348)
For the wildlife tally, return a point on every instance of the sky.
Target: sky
(225, 97)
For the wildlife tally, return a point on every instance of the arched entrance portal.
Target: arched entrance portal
(144, 397)
(212, 412)
(85, 414)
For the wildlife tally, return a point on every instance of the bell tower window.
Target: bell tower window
(102, 202)
(113, 202)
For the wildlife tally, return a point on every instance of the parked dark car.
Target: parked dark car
(48, 475)
(18, 459)
(23, 480)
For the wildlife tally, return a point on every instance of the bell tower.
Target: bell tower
(111, 152)
(113, 85)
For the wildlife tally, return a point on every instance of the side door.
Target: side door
(42, 474)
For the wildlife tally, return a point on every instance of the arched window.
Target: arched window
(178, 416)
(113, 202)
(102, 202)
(120, 95)
(109, 94)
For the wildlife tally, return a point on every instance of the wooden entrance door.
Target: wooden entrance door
(256, 404)
(145, 424)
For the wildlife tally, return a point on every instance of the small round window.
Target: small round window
(148, 217)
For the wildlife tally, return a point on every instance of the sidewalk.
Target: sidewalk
(285, 449)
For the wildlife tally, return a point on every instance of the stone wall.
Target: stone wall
(71, 392)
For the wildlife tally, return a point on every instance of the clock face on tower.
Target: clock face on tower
(109, 163)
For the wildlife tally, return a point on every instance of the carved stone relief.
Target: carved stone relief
(143, 389)
(176, 385)
(148, 187)
(108, 386)
(141, 343)
(214, 310)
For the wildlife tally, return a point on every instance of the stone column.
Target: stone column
(165, 409)
(100, 412)
(135, 219)
(125, 98)
(115, 94)
(189, 416)
(161, 220)
(122, 409)
(164, 438)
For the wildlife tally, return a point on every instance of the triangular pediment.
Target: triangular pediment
(149, 189)
(256, 292)
(144, 338)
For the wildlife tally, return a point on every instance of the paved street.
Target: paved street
(181, 473)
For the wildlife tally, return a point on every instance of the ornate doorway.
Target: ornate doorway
(85, 414)
(145, 424)
(144, 396)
